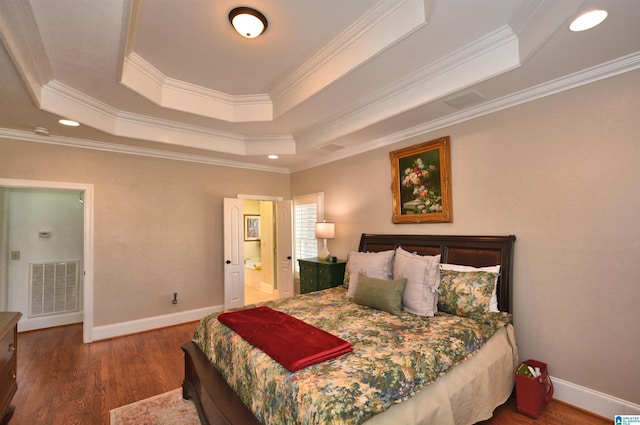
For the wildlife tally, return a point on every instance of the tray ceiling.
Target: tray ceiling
(328, 79)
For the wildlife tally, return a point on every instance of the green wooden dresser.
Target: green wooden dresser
(317, 274)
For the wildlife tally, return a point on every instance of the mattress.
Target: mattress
(394, 374)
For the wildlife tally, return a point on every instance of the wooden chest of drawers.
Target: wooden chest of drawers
(8, 362)
(317, 274)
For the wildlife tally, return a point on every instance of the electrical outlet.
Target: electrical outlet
(15, 255)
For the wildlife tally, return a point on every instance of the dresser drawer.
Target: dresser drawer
(7, 348)
(305, 287)
(8, 379)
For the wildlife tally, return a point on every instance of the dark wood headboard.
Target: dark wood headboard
(477, 251)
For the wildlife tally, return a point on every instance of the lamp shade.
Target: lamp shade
(325, 230)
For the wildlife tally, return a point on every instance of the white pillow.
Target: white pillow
(493, 306)
(422, 274)
(373, 264)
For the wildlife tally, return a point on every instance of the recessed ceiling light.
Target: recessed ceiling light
(273, 156)
(588, 20)
(69, 123)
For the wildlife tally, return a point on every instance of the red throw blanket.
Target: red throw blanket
(289, 341)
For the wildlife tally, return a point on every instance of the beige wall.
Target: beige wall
(560, 173)
(563, 175)
(157, 223)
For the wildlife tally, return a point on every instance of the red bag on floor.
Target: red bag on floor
(533, 394)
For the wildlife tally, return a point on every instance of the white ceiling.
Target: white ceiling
(328, 79)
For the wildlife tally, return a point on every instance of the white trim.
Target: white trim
(593, 401)
(146, 80)
(134, 150)
(260, 197)
(581, 78)
(32, 323)
(151, 323)
(87, 304)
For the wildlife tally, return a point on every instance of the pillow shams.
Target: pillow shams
(381, 294)
(422, 274)
(373, 264)
(466, 294)
(493, 306)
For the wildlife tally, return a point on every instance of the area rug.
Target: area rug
(163, 409)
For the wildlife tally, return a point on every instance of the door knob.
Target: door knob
(228, 261)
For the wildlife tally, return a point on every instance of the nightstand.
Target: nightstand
(317, 274)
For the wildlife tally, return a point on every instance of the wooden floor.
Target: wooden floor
(63, 382)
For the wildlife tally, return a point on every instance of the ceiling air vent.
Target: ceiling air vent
(465, 99)
(331, 147)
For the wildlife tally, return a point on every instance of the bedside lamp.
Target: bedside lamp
(325, 231)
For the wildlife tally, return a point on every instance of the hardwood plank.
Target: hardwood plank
(62, 381)
(555, 413)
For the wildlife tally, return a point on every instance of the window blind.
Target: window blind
(305, 223)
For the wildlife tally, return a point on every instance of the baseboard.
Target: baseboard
(34, 323)
(150, 323)
(585, 398)
(593, 401)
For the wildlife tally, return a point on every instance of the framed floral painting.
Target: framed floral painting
(421, 183)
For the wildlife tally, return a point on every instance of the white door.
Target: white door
(285, 249)
(233, 254)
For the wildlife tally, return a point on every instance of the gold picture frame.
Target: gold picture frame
(421, 183)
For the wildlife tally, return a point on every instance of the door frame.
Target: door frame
(247, 197)
(87, 249)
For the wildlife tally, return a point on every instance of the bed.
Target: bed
(465, 389)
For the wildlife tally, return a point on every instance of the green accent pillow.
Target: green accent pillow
(384, 295)
(466, 294)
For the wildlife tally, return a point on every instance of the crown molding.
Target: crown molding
(384, 25)
(20, 34)
(132, 150)
(63, 100)
(144, 79)
(487, 57)
(600, 72)
(590, 75)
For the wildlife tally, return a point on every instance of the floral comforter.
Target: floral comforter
(393, 358)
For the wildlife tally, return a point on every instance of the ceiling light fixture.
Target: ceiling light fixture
(69, 123)
(588, 20)
(273, 156)
(248, 22)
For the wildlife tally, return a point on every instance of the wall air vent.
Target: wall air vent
(54, 287)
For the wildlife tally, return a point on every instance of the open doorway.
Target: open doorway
(82, 194)
(237, 229)
(260, 245)
(43, 236)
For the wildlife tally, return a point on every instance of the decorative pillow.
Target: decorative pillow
(492, 269)
(423, 277)
(465, 294)
(384, 295)
(372, 264)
